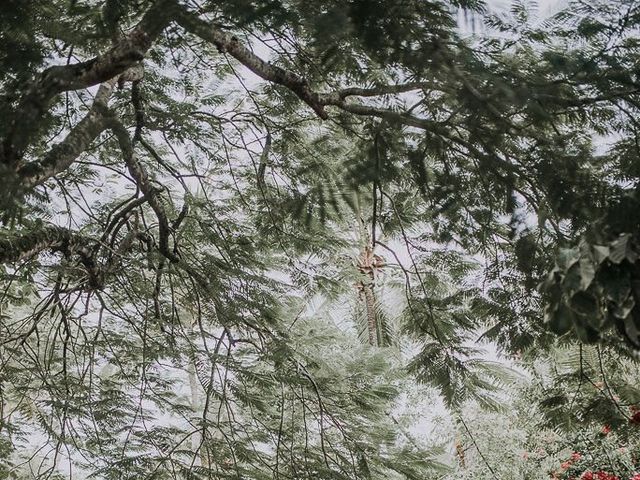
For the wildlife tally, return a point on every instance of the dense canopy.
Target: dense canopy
(259, 239)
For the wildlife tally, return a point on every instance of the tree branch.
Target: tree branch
(141, 177)
(231, 44)
(391, 115)
(28, 117)
(379, 90)
(16, 246)
(62, 155)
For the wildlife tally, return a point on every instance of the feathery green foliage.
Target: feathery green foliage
(184, 182)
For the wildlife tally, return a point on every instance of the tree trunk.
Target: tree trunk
(372, 320)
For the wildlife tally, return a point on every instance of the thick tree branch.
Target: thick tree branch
(16, 246)
(62, 155)
(27, 118)
(230, 44)
(141, 177)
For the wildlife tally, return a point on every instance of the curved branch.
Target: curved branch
(16, 246)
(63, 154)
(141, 177)
(231, 44)
(32, 107)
